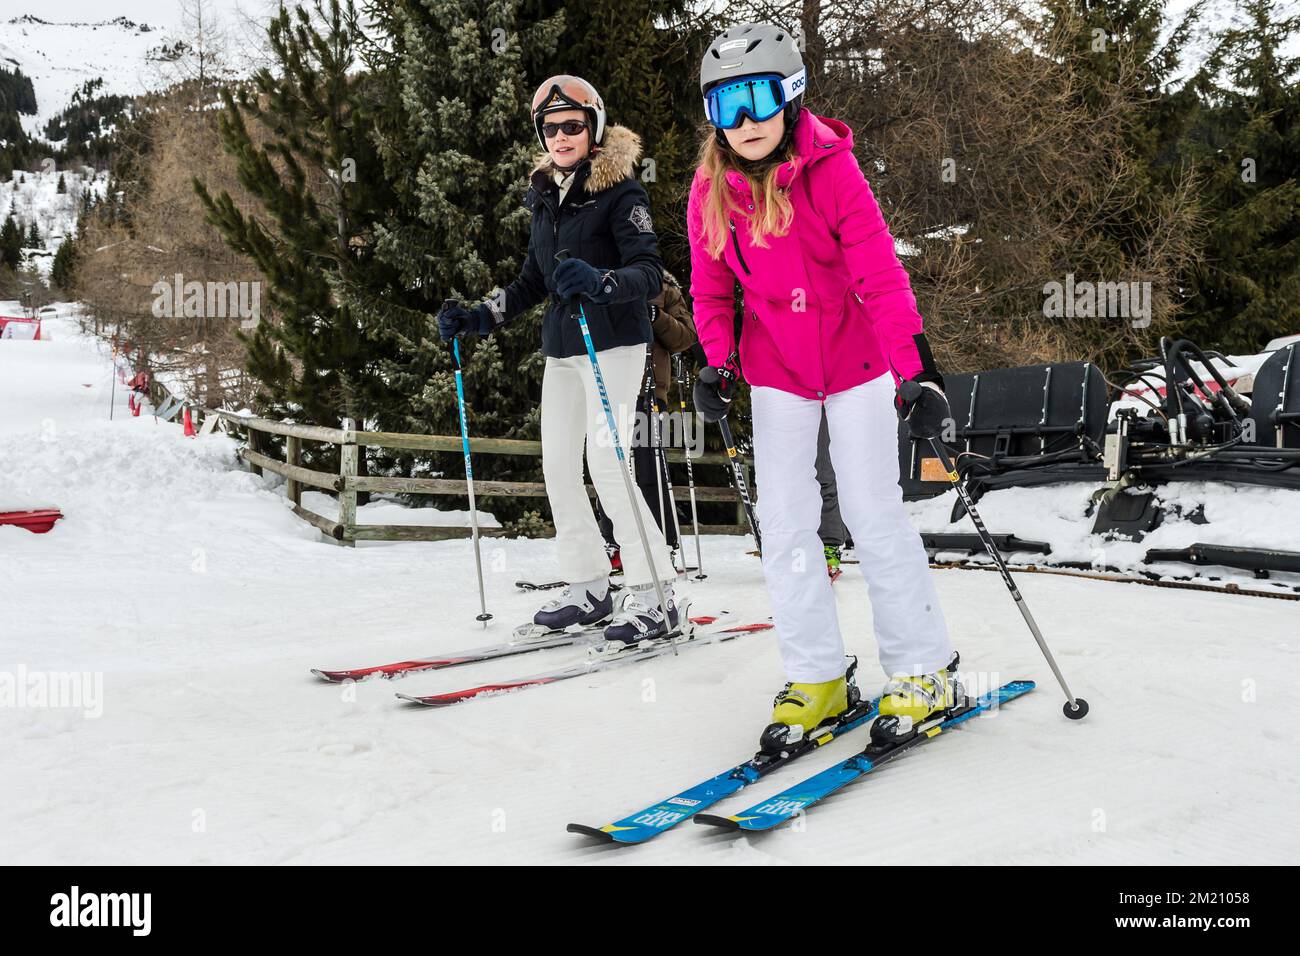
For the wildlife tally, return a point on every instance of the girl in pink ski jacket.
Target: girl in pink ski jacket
(827, 305)
(780, 205)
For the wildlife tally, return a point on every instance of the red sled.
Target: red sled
(37, 522)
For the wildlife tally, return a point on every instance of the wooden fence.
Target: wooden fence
(347, 483)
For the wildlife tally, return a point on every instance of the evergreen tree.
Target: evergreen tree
(1247, 144)
(63, 186)
(63, 271)
(1124, 69)
(34, 237)
(452, 86)
(11, 243)
(314, 171)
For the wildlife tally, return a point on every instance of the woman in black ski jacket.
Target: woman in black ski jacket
(592, 241)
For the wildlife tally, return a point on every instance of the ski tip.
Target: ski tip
(332, 677)
(1019, 686)
(411, 699)
(594, 832)
(711, 820)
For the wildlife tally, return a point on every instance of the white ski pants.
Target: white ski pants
(573, 419)
(909, 626)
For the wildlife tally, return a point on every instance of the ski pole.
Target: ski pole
(652, 411)
(1076, 707)
(622, 459)
(484, 616)
(661, 459)
(738, 478)
(690, 472)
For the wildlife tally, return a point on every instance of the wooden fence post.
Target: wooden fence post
(293, 455)
(255, 443)
(347, 476)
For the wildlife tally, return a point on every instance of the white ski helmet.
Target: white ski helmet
(565, 92)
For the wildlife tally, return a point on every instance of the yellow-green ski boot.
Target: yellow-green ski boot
(799, 709)
(912, 703)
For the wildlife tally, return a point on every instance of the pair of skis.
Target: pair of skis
(690, 803)
(591, 665)
(720, 628)
(489, 652)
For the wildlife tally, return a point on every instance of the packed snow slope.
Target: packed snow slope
(202, 601)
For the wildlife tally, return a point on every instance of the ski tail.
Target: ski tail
(645, 825)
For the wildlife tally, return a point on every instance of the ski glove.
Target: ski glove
(714, 389)
(457, 320)
(922, 404)
(575, 277)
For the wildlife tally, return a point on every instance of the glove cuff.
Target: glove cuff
(929, 370)
(487, 316)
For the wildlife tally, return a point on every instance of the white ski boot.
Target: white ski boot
(639, 620)
(584, 604)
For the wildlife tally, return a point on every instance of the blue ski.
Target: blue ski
(776, 810)
(646, 824)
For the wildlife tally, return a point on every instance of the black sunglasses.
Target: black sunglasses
(570, 127)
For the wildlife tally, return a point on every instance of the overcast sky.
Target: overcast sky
(167, 13)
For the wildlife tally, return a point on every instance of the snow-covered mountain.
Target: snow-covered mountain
(61, 57)
(61, 52)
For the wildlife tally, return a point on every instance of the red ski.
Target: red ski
(589, 666)
(490, 652)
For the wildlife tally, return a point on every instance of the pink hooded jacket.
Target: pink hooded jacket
(828, 305)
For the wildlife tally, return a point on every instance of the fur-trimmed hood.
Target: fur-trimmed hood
(614, 162)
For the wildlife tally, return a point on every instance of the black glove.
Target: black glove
(456, 320)
(922, 404)
(714, 388)
(575, 277)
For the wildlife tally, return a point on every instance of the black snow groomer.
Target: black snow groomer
(1032, 425)
(1183, 415)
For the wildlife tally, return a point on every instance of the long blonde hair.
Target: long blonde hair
(773, 213)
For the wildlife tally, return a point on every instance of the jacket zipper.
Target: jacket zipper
(736, 242)
(555, 219)
(555, 231)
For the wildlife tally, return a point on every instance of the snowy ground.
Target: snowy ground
(202, 601)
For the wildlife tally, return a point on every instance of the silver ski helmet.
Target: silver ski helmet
(565, 92)
(753, 50)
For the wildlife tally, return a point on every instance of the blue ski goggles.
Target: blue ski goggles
(760, 97)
